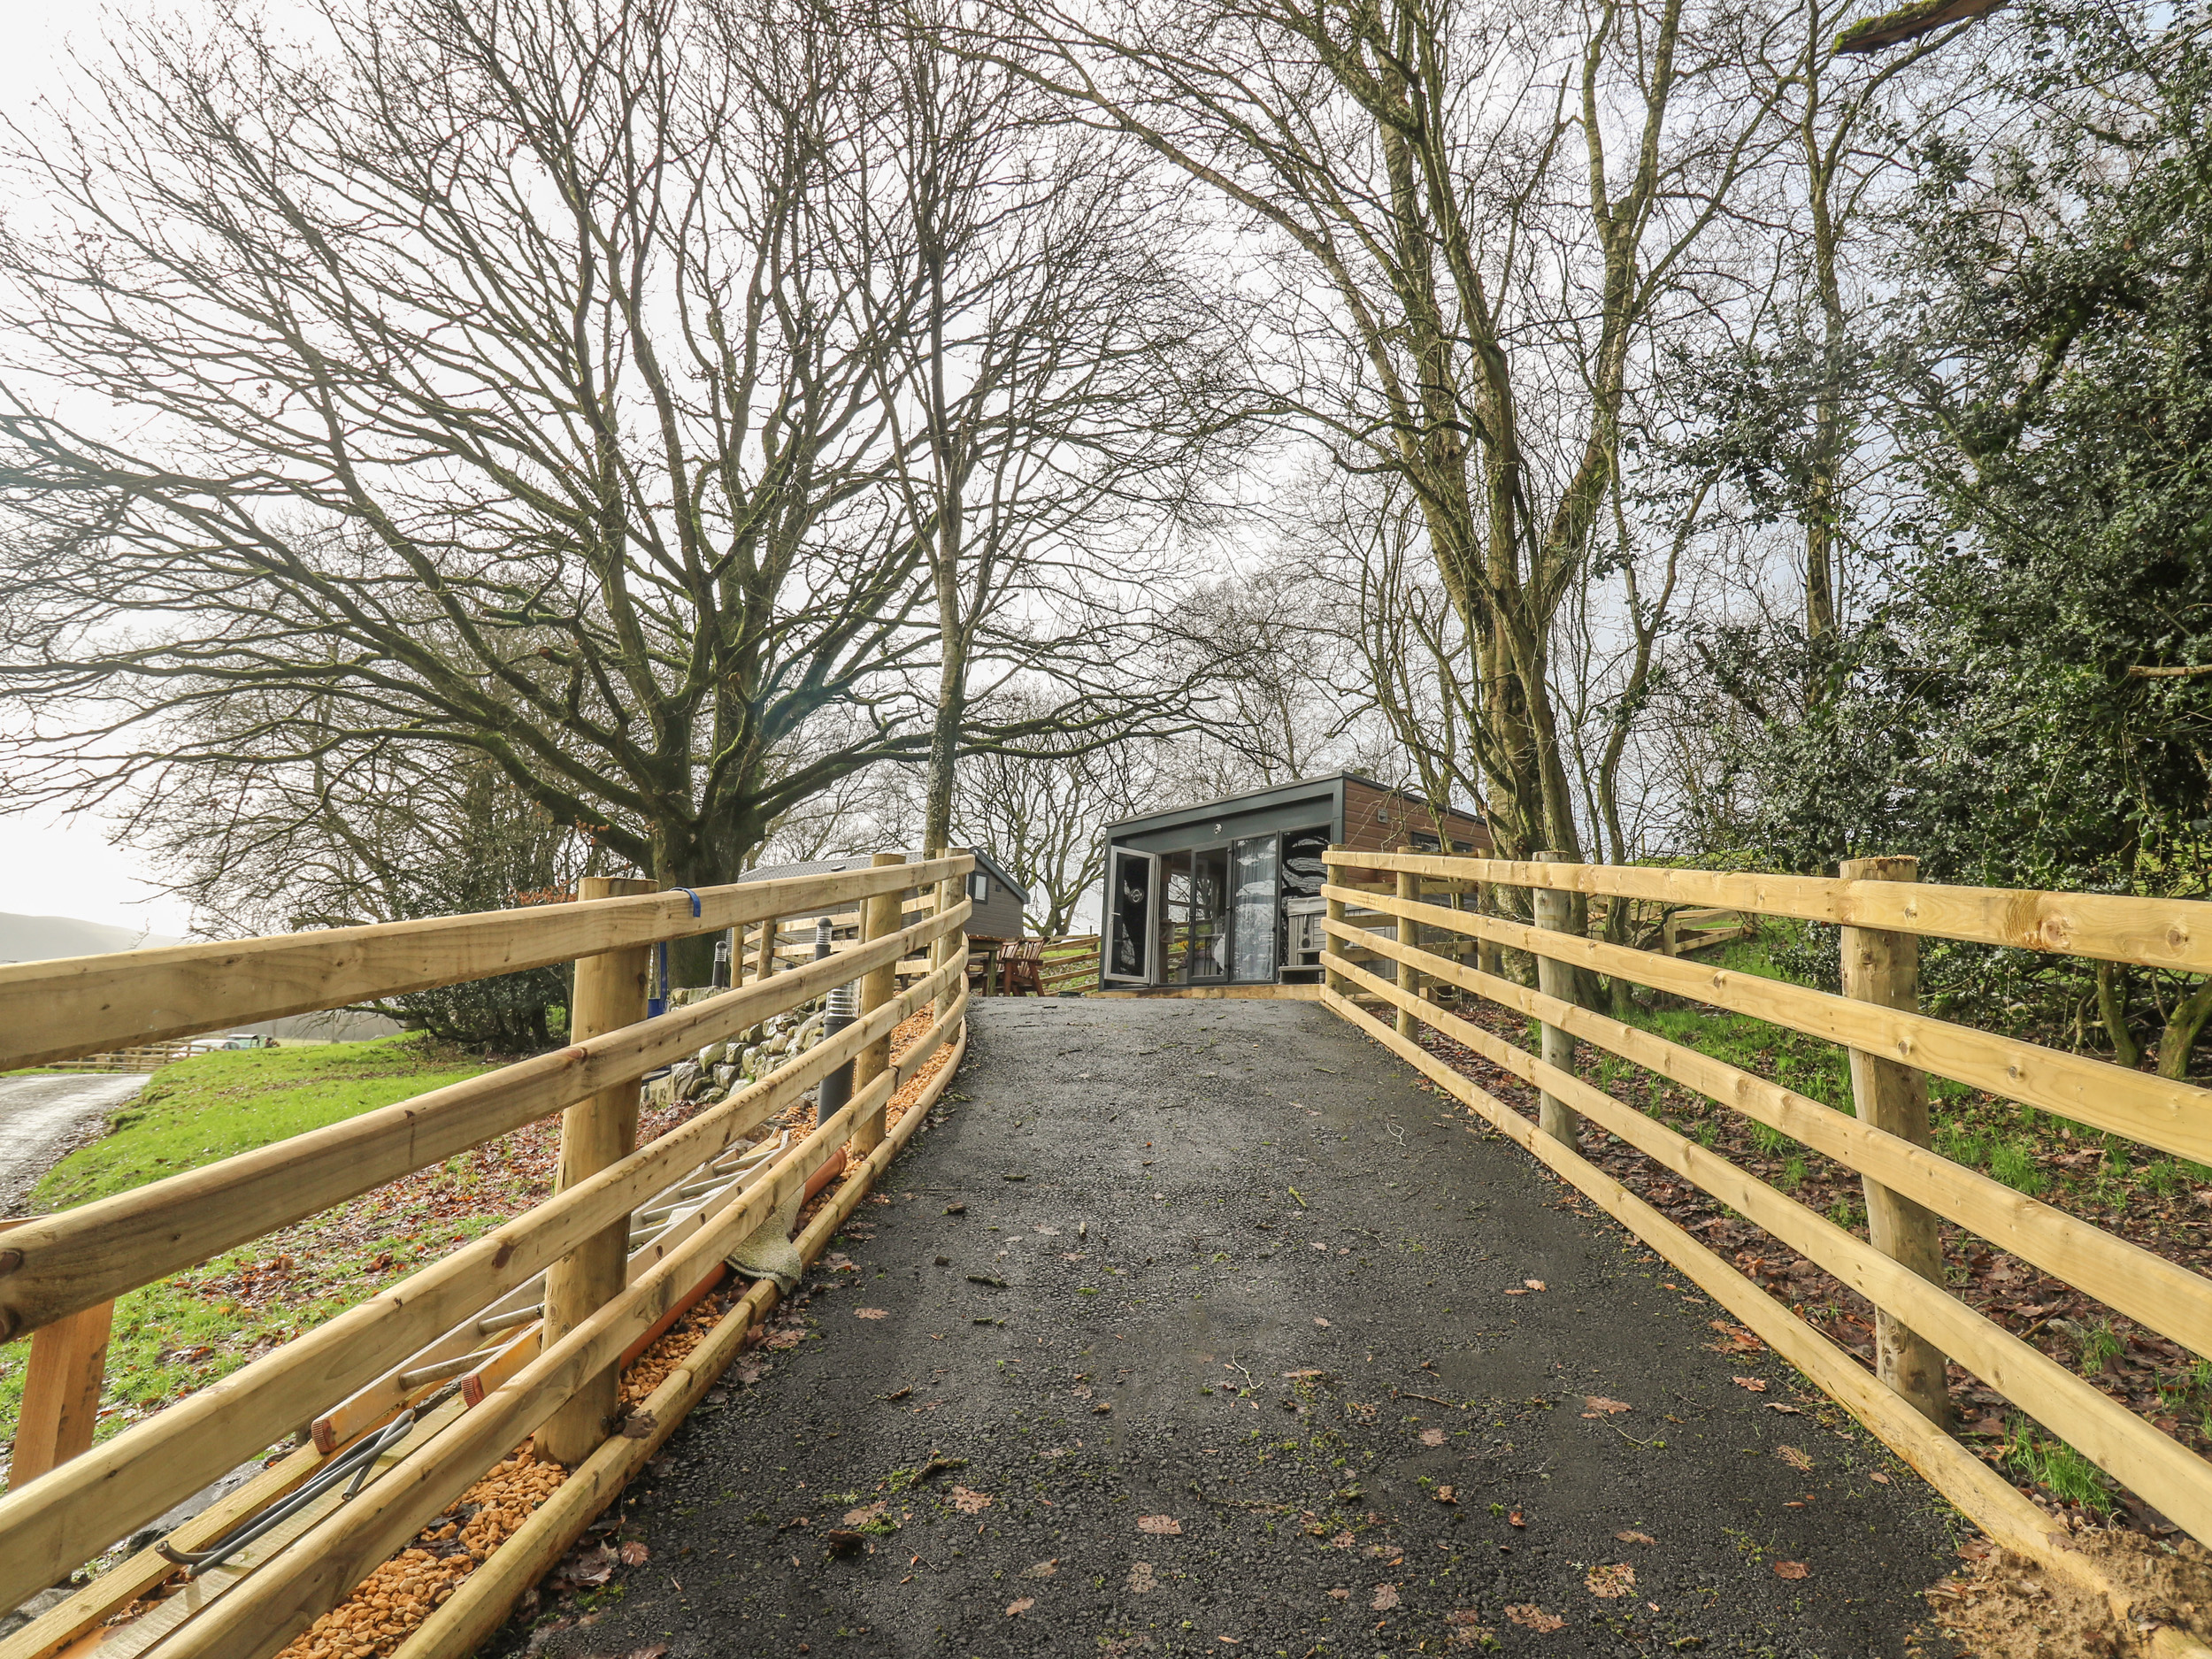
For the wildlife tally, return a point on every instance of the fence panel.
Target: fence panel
(1892, 1155)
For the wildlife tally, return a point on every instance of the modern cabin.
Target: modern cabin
(999, 899)
(1228, 892)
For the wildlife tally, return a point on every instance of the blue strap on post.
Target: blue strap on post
(693, 897)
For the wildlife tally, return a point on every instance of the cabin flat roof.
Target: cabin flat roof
(1328, 786)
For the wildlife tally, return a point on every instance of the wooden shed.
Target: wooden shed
(1228, 892)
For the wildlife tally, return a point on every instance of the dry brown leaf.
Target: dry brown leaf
(872, 1313)
(1444, 1495)
(1022, 1606)
(1790, 1570)
(635, 1554)
(1611, 1581)
(969, 1502)
(1386, 1598)
(1534, 1617)
(1757, 1385)
(1535, 1284)
(1514, 1519)
(1601, 1407)
(1794, 1458)
(1431, 1437)
(1141, 1578)
(1160, 1525)
(1042, 1570)
(866, 1514)
(1340, 1595)
(1342, 1541)
(1324, 1324)
(1633, 1537)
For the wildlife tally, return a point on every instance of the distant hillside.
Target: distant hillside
(36, 938)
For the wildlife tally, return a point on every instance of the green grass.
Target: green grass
(182, 1333)
(218, 1105)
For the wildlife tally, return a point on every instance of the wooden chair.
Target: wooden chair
(1020, 963)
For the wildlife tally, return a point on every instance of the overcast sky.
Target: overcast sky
(50, 866)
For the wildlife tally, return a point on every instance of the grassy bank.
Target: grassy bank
(182, 1333)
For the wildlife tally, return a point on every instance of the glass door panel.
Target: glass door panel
(1253, 871)
(1133, 881)
(1207, 957)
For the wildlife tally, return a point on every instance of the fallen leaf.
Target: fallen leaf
(1444, 1495)
(1534, 1617)
(1022, 1606)
(1776, 1405)
(1386, 1598)
(1878, 1475)
(1794, 1458)
(1141, 1578)
(634, 1553)
(1160, 1525)
(1340, 1595)
(1601, 1407)
(872, 1313)
(1790, 1570)
(1611, 1581)
(838, 1262)
(843, 1537)
(1757, 1385)
(1535, 1284)
(1635, 1537)
(783, 1338)
(1301, 1375)
(1516, 1293)
(1342, 1541)
(1324, 1324)
(1431, 1437)
(639, 1425)
(1042, 1570)
(866, 1514)
(969, 1502)
(1514, 1519)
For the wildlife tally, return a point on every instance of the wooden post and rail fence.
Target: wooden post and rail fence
(519, 1333)
(1883, 912)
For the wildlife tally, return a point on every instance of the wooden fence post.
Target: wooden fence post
(1885, 968)
(1554, 913)
(765, 962)
(1409, 933)
(949, 893)
(1333, 873)
(879, 918)
(610, 993)
(61, 1391)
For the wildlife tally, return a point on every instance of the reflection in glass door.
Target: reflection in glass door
(1132, 886)
(1252, 870)
(1194, 888)
(1209, 953)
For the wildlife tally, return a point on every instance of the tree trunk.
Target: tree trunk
(2112, 1008)
(2179, 1039)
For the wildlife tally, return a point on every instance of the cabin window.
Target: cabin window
(979, 886)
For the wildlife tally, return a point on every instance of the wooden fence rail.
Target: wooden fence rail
(1893, 1155)
(56, 1271)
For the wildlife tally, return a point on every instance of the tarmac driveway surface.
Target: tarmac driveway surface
(1196, 1328)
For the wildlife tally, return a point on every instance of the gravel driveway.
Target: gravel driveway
(43, 1118)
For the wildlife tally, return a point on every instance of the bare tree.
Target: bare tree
(1057, 403)
(502, 380)
(1469, 218)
